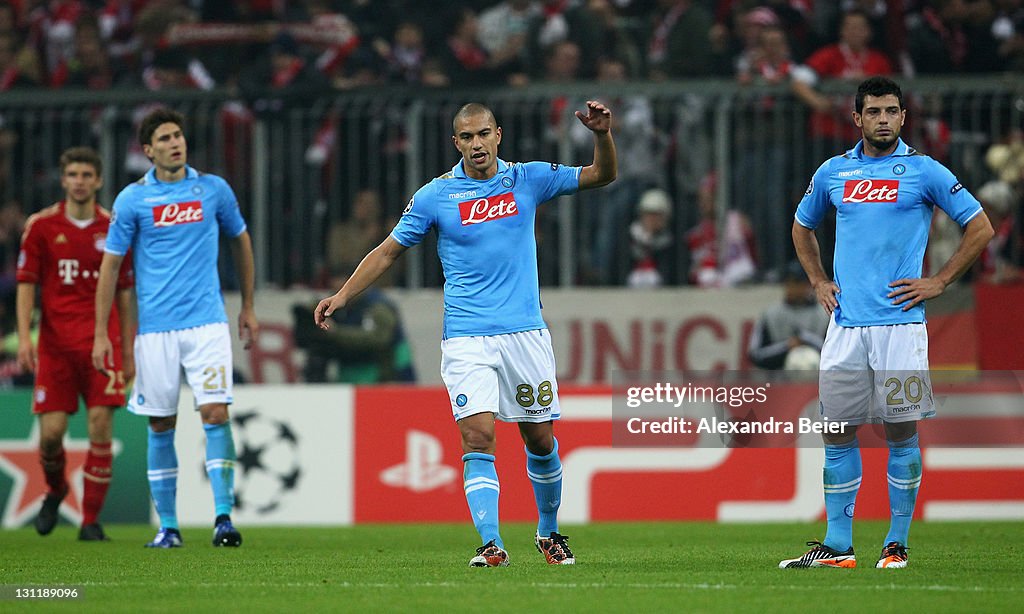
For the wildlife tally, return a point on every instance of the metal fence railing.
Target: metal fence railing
(296, 164)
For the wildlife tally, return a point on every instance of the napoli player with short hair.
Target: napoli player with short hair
(874, 362)
(171, 219)
(496, 355)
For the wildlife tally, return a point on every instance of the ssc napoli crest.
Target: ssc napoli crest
(506, 181)
(197, 190)
(461, 400)
(899, 169)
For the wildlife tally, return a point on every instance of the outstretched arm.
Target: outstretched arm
(605, 166)
(372, 267)
(976, 236)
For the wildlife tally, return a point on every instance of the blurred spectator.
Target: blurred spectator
(564, 20)
(651, 241)
(851, 58)
(19, 66)
(464, 59)
(349, 240)
(641, 148)
(282, 77)
(949, 36)
(1008, 31)
(768, 62)
(504, 28)
(365, 344)
(406, 54)
(715, 262)
(12, 223)
(797, 322)
(1004, 256)
(618, 41)
(89, 66)
(680, 41)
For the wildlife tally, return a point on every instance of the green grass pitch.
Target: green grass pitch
(637, 567)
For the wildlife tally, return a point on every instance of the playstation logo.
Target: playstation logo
(422, 469)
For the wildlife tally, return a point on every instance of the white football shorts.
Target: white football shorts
(875, 374)
(203, 352)
(511, 375)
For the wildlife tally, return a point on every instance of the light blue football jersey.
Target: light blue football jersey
(173, 231)
(485, 240)
(883, 214)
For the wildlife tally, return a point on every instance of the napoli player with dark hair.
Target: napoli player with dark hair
(171, 219)
(874, 362)
(496, 355)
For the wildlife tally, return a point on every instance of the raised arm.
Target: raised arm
(605, 166)
(372, 267)
(248, 325)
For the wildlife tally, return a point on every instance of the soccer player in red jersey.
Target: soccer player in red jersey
(60, 254)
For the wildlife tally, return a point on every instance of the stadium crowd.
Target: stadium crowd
(315, 47)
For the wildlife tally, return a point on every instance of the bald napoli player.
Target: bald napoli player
(496, 355)
(874, 362)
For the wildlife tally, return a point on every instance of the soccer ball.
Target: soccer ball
(802, 358)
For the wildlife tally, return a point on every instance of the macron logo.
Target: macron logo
(871, 190)
(487, 209)
(422, 469)
(178, 213)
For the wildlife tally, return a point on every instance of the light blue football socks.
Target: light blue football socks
(162, 465)
(904, 476)
(480, 481)
(841, 477)
(220, 465)
(545, 473)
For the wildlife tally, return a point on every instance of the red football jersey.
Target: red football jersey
(839, 62)
(63, 258)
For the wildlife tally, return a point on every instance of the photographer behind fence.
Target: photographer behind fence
(365, 345)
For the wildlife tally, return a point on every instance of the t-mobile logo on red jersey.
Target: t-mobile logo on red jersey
(487, 209)
(178, 213)
(67, 269)
(871, 190)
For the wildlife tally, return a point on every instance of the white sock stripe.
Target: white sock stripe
(93, 478)
(844, 484)
(547, 481)
(913, 486)
(480, 480)
(893, 478)
(220, 462)
(541, 476)
(159, 473)
(480, 486)
(837, 491)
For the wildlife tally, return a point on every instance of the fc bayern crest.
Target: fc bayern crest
(100, 241)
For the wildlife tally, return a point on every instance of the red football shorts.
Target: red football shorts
(62, 378)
